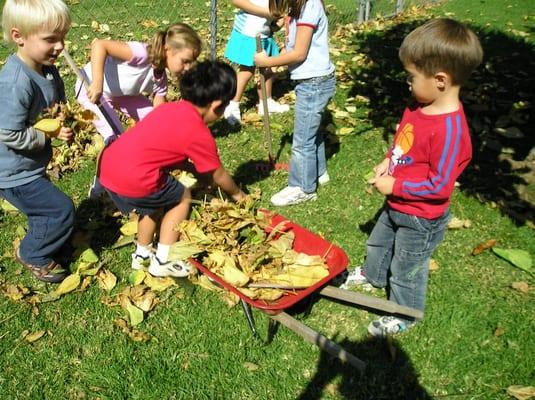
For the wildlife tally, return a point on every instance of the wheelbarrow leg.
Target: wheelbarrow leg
(249, 315)
(319, 340)
(272, 329)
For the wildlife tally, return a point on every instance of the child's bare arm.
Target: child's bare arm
(99, 50)
(251, 8)
(224, 181)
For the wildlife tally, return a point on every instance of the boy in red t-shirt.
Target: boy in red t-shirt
(134, 168)
(431, 149)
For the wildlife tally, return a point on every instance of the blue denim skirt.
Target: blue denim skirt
(241, 49)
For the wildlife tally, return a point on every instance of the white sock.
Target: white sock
(162, 252)
(143, 251)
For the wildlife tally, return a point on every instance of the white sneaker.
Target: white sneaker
(387, 326)
(356, 278)
(139, 262)
(324, 178)
(175, 268)
(232, 113)
(291, 195)
(273, 107)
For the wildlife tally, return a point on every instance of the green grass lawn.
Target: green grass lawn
(477, 336)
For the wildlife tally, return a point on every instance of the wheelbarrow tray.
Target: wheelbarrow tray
(305, 242)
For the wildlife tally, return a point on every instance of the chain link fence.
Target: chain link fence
(139, 19)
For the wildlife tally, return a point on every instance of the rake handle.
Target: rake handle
(85, 81)
(263, 92)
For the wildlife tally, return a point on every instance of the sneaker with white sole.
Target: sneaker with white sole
(356, 278)
(175, 268)
(232, 113)
(291, 195)
(386, 326)
(273, 107)
(139, 261)
(324, 178)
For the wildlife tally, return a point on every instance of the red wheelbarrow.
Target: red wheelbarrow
(336, 260)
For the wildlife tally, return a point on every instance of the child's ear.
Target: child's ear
(441, 80)
(17, 37)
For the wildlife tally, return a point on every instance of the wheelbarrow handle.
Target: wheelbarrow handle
(319, 340)
(369, 301)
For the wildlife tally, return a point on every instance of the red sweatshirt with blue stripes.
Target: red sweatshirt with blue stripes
(428, 154)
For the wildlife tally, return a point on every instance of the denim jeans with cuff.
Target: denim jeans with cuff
(398, 253)
(308, 145)
(50, 214)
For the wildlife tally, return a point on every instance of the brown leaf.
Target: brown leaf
(521, 392)
(521, 287)
(32, 337)
(480, 248)
(433, 265)
(499, 331)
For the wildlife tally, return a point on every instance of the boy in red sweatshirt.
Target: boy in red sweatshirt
(431, 149)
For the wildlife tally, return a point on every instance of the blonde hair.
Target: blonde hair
(177, 36)
(442, 45)
(32, 16)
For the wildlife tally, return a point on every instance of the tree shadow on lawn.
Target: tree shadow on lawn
(389, 374)
(499, 102)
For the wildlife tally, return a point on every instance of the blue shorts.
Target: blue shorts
(170, 195)
(241, 49)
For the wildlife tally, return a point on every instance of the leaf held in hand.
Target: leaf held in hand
(48, 126)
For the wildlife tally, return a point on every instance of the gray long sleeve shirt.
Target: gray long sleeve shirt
(24, 94)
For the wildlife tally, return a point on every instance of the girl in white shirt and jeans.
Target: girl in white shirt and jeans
(307, 57)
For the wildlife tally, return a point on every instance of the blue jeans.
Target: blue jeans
(308, 146)
(398, 253)
(50, 214)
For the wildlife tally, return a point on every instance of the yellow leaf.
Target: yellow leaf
(128, 229)
(136, 277)
(158, 284)
(135, 315)
(68, 285)
(32, 337)
(89, 256)
(106, 280)
(345, 131)
(48, 126)
(521, 392)
(234, 276)
(7, 206)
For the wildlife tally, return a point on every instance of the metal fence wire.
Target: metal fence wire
(139, 19)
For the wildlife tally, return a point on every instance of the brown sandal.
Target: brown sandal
(51, 273)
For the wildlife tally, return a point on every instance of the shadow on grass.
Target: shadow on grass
(389, 374)
(499, 103)
(253, 171)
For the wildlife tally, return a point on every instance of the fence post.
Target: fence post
(399, 6)
(361, 6)
(213, 30)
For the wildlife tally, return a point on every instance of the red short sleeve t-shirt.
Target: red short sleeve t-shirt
(136, 164)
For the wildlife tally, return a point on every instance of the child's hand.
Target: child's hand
(384, 184)
(239, 197)
(261, 59)
(382, 168)
(94, 91)
(65, 134)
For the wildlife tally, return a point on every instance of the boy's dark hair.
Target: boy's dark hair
(442, 45)
(208, 81)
